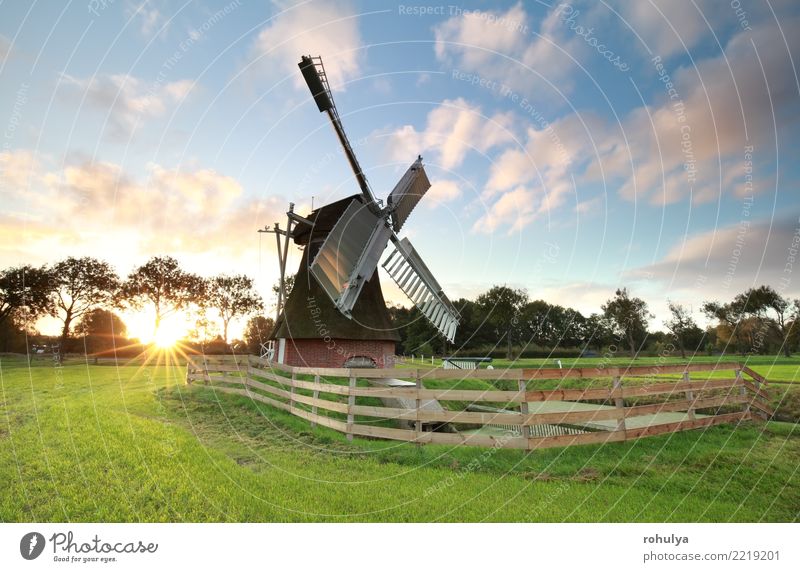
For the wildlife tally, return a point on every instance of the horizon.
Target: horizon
(653, 164)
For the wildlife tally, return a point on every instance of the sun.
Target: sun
(166, 337)
(171, 330)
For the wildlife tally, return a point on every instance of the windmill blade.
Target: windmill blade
(407, 193)
(350, 254)
(313, 72)
(412, 276)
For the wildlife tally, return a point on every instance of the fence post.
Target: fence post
(523, 406)
(742, 391)
(351, 402)
(291, 392)
(689, 397)
(619, 402)
(314, 407)
(188, 372)
(417, 423)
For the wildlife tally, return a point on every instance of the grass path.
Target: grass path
(100, 443)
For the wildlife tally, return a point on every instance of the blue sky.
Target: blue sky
(574, 148)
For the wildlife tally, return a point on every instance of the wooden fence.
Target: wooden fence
(632, 402)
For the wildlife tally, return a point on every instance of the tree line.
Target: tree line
(506, 322)
(83, 293)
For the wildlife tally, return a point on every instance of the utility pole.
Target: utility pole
(283, 251)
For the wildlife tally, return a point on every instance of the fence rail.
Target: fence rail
(635, 403)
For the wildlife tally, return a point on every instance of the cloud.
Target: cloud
(96, 207)
(452, 129)
(442, 191)
(590, 207)
(5, 47)
(668, 152)
(726, 261)
(512, 212)
(128, 101)
(501, 46)
(18, 169)
(149, 16)
(328, 28)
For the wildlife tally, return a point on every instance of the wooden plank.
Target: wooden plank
(268, 388)
(687, 425)
(763, 407)
(681, 405)
(570, 394)
(595, 372)
(507, 373)
(322, 387)
(758, 377)
(225, 378)
(323, 403)
(224, 368)
(517, 396)
(270, 376)
(756, 391)
(679, 387)
(323, 420)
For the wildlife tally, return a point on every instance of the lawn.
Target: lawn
(133, 443)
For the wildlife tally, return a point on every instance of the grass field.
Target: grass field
(132, 443)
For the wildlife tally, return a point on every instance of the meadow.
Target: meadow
(84, 442)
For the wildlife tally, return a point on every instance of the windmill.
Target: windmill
(344, 242)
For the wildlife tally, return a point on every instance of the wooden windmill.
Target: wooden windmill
(335, 315)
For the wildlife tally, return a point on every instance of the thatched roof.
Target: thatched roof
(323, 219)
(309, 312)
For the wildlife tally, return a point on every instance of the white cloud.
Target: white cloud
(442, 191)
(18, 169)
(97, 208)
(512, 212)
(150, 18)
(723, 262)
(452, 130)
(499, 45)
(128, 101)
(645, 156)
(318, 28)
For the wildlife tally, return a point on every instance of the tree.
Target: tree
(753, 319)
(729, 317)
(103, 330)
(79, 286)
(763, 299)
(680, 325)
(258, 331)
(232, 296)
(163, 284)
(596, 332)
(501, 306)
(629, 317)
(24, 293)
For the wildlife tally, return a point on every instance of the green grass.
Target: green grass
(100, 443)
(775, 368)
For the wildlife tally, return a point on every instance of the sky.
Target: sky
(574, 148)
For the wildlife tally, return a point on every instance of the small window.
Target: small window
(360, 361)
